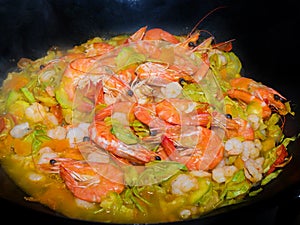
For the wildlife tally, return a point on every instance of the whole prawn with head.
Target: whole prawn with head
(184, 135)
(116, 137)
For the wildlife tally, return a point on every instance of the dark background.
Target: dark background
(266, 41)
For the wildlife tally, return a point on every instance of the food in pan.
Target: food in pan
(147, 127)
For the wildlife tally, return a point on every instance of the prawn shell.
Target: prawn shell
(91, 181)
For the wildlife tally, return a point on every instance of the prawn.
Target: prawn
(170, 113)
(158, 74)
(234, 126)
(178, 136)
(137, 36)
(146, 113)
(116, 87)
(182, 112)
(100, 133)
(168, 117)
(160, 34)
(207, 152)
(98, 49)
(152, 34)
(84, 70)
(90, 181)
(83, 77)
(79, 82)
(88, 174)
(248, 90)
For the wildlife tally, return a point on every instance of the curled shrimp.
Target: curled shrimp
(160, 34)
(89, 181)
(250, 91)
(205, 153)
(100, 133)
(184, 183)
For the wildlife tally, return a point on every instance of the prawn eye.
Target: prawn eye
(228, 116)
(86, 138)
(130, 92)
(157, 157)
(192, 44)
(52, 161)
(278, 98)
(153, 132)
(182, 81)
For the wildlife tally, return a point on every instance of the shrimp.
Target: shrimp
(254, 169)
(58, 132)
(220, 174)
(206, 153)
(137, 36)
(188, 43)
(182, 112)
(91, 181)
(184, 183)
(176, 59)
(35, 112)
(156, 81)
(251, 149)
(191, 41)
(248, 90)
(76, 134)
(80, 66)
(44, 158)
(234, 146)
(157, 74)
(20, 130)
(183, 65)
(169, 116)
(238, 127)
(127, 75)
(246, 149)
(100, 133)
(146, 113)
(84, 79)
(98, 49)
(88, 179)
(79, 84)
(114, 88)
(160, 34)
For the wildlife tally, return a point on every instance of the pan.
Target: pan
(264, 36)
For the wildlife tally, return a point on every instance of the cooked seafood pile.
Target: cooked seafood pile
(147, 127)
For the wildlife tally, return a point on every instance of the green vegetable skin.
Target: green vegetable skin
(204, 186)
(63, 99)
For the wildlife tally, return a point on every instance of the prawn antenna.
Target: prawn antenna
(200, 21)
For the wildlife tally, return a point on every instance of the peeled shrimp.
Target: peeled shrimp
(234, 146)
(184, 183)
(220, 174)
(253, 169)
(20, 130)
(35, 112)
